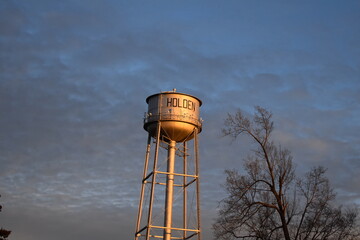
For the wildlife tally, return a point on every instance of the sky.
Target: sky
(74, 76)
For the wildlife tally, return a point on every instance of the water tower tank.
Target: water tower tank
(177, 112)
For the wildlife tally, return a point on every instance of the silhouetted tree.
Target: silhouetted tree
(268, 202)
(4, 234)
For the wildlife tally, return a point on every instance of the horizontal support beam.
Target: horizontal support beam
(178, 229)
(161, 237)
(166, 173)
(179, 174)
(176, 185)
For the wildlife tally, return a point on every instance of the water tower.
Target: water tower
(169, 206)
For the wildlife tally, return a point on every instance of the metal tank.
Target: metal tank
(177, 112)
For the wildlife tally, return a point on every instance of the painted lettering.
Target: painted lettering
(169, 102)
(185, 103)
(176, 102)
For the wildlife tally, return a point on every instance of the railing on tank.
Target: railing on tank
(149, 117)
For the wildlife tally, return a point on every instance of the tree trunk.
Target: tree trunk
(284, 224)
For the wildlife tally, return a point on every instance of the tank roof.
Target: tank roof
(173, 92)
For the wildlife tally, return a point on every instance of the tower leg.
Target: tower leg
(197, 183)
(153, 181)
(184, 190)
(169, 190)
(143, 187)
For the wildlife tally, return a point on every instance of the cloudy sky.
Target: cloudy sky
(74, 76)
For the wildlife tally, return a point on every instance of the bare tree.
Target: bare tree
(4, 234)
(318, 218)
(268, 202)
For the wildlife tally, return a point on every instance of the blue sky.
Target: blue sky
(74, 76)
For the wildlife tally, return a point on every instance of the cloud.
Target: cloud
(74, 79)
